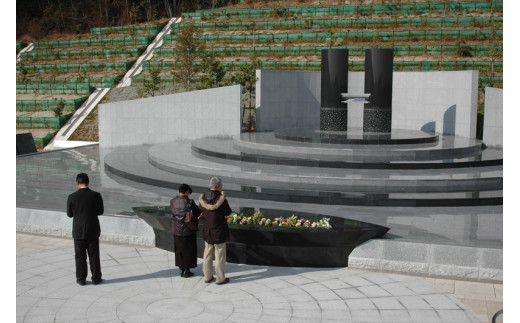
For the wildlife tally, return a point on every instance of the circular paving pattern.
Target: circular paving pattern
(143, 285)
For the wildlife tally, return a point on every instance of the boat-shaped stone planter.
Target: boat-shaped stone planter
(275, 245)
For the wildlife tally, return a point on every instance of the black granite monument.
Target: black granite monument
(334, 81)
(377, 115)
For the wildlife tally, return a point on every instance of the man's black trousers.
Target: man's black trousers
(82, 248)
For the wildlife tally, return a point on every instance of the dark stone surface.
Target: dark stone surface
(377, 120)
(253, 185)
(276, 246)
(353, 137)
(44, 180)
(455, 151)
(333, 119)
(334, 81)
(25, 144)
(378, 82)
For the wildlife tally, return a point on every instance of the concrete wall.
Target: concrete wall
(154, 120)
(446, 101)
(493, 117)
(287, 99)
(442, 101)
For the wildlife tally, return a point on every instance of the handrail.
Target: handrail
(497, 314)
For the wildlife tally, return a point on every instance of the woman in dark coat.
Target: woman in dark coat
(185, 240)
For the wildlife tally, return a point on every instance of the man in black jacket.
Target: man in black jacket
(84, 206)
(215, 208)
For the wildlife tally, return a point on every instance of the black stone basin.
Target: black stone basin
(276, 246)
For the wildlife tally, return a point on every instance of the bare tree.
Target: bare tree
(106, 13)
(189, 49)
(168, 8)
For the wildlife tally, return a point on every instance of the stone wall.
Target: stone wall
(287, 99)
(493, 117)
(445, 102)
(442, 101)
(188, 115)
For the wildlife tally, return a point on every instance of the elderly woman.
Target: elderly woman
(185, 240)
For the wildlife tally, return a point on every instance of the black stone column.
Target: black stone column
(377, 115)
(334, 81)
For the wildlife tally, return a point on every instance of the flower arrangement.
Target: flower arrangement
(258, 218)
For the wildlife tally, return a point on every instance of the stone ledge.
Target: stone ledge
(431, 260)
(114, 229)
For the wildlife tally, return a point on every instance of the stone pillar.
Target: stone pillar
(334, 81)
(377, 115)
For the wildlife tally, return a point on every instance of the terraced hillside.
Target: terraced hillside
(431, 35)
(56, 77)
(425, 35)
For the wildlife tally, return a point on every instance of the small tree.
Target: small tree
(464, 50)
(58, 111)
(246, 76)
(213, 70)
(151, 85)
(82, 75)
(189, 49)
(24, 72)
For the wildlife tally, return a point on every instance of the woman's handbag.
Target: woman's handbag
(191, 221)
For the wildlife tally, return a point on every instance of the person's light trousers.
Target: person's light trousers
(215, 252)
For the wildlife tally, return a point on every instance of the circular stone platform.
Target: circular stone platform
(356, 136)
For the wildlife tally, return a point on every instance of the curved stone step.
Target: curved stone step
(175, 157)
(357, 137)
(448, 147)
(132, 163)
(222, 149)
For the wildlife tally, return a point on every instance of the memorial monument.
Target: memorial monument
(377, 172)
(334, 81)
(377, 114)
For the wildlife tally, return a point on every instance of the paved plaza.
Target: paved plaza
(142, 284)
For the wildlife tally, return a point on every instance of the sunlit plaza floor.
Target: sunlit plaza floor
(142, 284)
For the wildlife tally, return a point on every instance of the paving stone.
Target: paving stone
(333, 305)
(373, 291)
(349, 293)
(372, 316)
(335, 284)
(136, 290)
(360, 304)
(336, 315)
(397, 289)
(455, 316)
(440, 301)
(414, 302)
(398, 316)
(426, 316)
(356, 281)
(387, 303)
